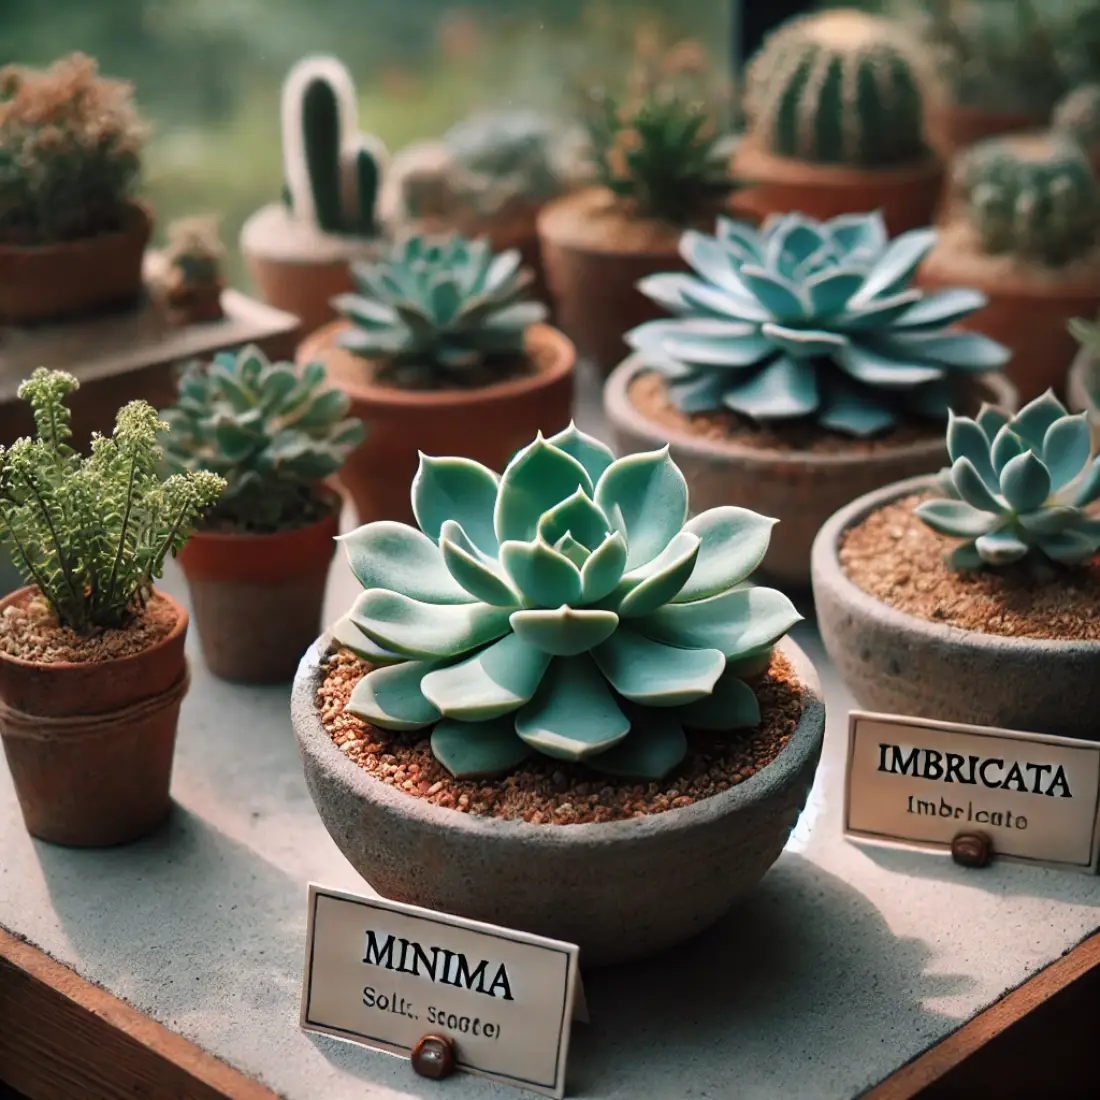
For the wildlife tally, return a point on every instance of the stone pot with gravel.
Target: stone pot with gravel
(276, 436)
(557, 706)
(800, 370)
(975, 597)
(92, 667)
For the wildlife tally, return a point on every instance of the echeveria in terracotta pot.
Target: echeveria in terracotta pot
(275, 435)
(443, 351)
(72, 237)
(92, 668)
(975, 597)
(800, 369)
(588, 708)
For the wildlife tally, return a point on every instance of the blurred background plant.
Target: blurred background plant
(208, 72)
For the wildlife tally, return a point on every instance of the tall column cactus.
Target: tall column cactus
(333, 172)
(1033, 195)
(838, 87)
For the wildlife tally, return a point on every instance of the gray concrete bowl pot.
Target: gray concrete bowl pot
(901, 664)
(620, 890)
(799, 488)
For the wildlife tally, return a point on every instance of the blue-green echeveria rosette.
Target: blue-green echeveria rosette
(567, 607)
(811, 319)
(1018, 488)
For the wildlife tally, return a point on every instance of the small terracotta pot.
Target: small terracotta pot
(488, 425)
(47, 281)
(954, 128)
(897, 663)
(1028, 317)
(907, 196)
(257, 598)
(799, 488)
(90, 745)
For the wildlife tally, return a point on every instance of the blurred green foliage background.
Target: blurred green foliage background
(208, 72)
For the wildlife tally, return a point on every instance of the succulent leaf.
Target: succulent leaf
(401, 559)
(393, 697)
(543, 577)
(457, 489)
(565, 632)
(731, 705)
(478, 750)
(421, 630)
(656, 746)
(659, 580)
(657, 675)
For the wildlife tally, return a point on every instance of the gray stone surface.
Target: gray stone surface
(845, 963)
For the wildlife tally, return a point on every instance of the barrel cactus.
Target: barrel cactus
(1019, 488)
(272, 433)
(1031, 195)
(1078, 115)
(838, 87)
(333, 172)
(441, 311)
(810, 319)
(567, 607)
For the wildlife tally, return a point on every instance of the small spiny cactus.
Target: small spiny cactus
(1032, 195)
(333, 172)
(838, 87)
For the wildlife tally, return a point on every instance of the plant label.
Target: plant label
(924, 783)
(386, 975)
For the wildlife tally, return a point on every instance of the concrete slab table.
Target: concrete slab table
(845, 965)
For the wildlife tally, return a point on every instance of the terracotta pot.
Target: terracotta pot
(799, 488)
(898, 663)
(907, 196)
(257, 598)
(48, 281)
(90, 745)
(655, 876)
(488, 424)
(296, 267)
(1028, 317)
(954, 128)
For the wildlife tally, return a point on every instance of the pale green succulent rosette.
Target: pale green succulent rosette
(567, 607)
(815, 320)
(1018, 488)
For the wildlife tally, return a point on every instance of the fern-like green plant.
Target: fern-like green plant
(92, 532)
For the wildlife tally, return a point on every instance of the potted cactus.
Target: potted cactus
(975, 597)
(72, 237)
(835, 111)
(441, 350)
(1000, 64)
(298, 250)
(1024, 228)
(192, 281)
(1077, 114)
(92, 668)
(661, 165)
(489, 175)
(581, 707)
(800, 369)
(274, 436)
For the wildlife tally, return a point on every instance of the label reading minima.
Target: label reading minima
(385, 974)
(917, 781)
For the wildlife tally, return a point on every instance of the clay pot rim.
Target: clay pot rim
(114, 663)
(139, 222)
(804, 744)
(621, 410)
(236, 538)
(388, 397)
(937, 268)
(776, 168)
(826, 570)
(947, 108)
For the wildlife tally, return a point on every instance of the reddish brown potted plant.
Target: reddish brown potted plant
(275, 436)
(72, 238)
(92, 668)
(442, 352)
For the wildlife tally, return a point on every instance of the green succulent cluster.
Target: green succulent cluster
(442, 311)
(1020, 487)
(838, 87)
(333, 172)
(810, 319)
(567, 607)
(1032, 195)
(1078, 115)
(92, 532)
(273, 433)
